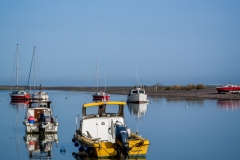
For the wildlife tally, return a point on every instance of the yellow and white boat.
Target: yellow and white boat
(102, 132)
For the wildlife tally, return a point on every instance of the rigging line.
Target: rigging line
(30, 71)
(14, 64)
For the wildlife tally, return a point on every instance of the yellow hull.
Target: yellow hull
(138, 147)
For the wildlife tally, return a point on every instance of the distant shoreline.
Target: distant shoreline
(206, 93)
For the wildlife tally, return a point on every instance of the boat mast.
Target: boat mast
(137, 76)
(17, 66)
(105, 83)
(34, 47)
(97, 74)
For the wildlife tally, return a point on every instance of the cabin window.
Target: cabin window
(114, 109)
(91, 110)
(135, 92)
(141, 91)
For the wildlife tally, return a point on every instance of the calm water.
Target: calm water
(176, 128)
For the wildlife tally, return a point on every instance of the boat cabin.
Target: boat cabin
(100, 118)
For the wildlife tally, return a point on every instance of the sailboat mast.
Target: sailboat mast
(105, 83)
(97, 74)
(137, 76)
(17, 66)
(34, 47)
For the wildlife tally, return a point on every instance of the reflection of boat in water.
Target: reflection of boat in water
(39, 146)
(229, 104)
(19, 102)
(103, 133)
(138, 110)
(39, 118)
(78, 156)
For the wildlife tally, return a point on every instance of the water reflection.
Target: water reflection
(139, 110)
(188, 100)
(80, 157)
(229, 104)
(40, 145)
(19, 103)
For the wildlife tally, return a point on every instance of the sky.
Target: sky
(146, 42)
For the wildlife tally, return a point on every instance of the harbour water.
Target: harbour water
(176, 128)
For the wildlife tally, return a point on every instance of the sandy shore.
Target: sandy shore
(206, 93)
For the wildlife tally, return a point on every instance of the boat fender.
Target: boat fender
(76, 144)
(87, 149)
(73, 140)
(80, 148)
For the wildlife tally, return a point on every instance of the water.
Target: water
(176, 128)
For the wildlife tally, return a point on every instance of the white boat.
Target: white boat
(137, 95)
(102, 132)
(40, 146)
(17, 94)
(39, 95)
(39, 118)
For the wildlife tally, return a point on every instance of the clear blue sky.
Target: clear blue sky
(169, 42)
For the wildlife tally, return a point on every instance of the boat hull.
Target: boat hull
(103, 149)
(228, 88)
(20, 96)
(137, 98)
(100, 96)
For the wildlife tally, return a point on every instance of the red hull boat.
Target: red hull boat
(228, 88)
(100, 96)
(20, 95)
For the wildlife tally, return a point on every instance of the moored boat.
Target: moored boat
(104, 133)
(39, 118)
(137, 95)
(100, 96)
(228, 88)
(17, 94)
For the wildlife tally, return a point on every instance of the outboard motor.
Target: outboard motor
(122, 140)
(42, 121)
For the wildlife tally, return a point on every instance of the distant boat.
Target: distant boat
(228, 88)
(17, 94)
(100, 96)
(38, 95)
(137, 95)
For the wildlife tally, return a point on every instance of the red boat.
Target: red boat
(20, 95)
(228, 88)
(100, 96)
